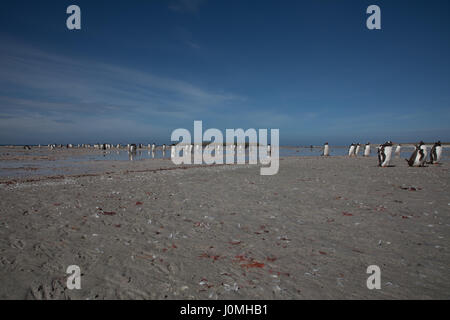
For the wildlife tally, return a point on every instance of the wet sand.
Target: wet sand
(225, 232)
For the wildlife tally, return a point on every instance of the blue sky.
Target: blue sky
(140, 69)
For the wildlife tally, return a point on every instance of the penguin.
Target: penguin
(385, 154)
(269, 149)
(153, 147)
(132, 148)
(172, 152)
(436, 153)
(351, 150)
(397, 150)
(424, 148)
(164, 147)
(367, 150)
(326, 150)
(419, 156)
(358, 147)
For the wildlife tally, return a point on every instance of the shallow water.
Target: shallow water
(42, 164)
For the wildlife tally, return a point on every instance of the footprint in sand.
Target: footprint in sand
(138, 230)
(18, 244)
(122, 288)
(55, 291)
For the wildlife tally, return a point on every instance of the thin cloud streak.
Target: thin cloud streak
(52, 89)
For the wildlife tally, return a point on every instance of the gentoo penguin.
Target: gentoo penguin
(424, 148)
(436, 153)
(385, 154)
(419, 156)
(269, 149)
(397, 150)
(367, 150)
(172, 152)
(326, 150)
(132, 148)
(164, 147)
(153, 147)
(358, 147)
(351, 150)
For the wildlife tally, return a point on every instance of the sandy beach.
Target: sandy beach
(152, 230)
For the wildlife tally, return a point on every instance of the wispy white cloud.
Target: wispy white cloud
(35, 84)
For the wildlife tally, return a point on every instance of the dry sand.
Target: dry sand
(225, 232)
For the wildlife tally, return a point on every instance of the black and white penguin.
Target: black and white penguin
(358, 147)
(436, 153)
(351, 150)
(326, 149)
(385, 154)
(398, 150)
(419, 156)
(367, 150)
(132, 148)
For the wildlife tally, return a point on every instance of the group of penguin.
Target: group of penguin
(417, 159)
(132, 148)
